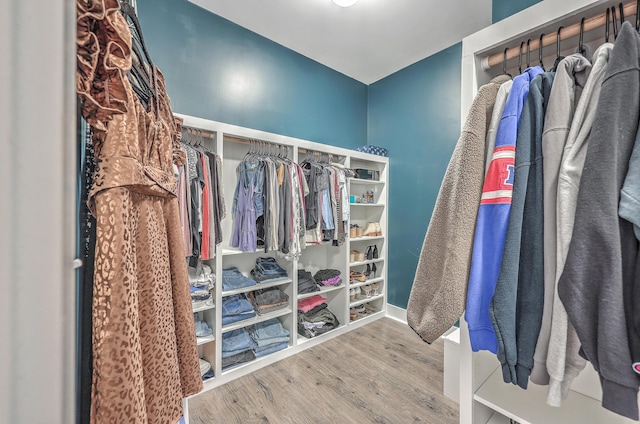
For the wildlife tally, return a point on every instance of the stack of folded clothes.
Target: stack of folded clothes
(314, 317)
(202, 328)
(267, 270)
(206, 372)
(200, 284)
(237, 348)
(328, 277)
(306, 283)
(269, 337)
(268, 300)
(233, 279)
(236, 308)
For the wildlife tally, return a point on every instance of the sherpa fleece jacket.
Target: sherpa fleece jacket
(599, 277)
(439, 289)
(493, 218)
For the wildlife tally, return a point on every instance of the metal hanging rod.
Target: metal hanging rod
(243, 140)
(567, 32)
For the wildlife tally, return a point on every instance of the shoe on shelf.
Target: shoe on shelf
(370, 308)
(356, 256)
(357, 276)
(353, 314)
(359, 231)
(369, 253)
(373, 229)
(367, 273)
(366, 290)
(353, 231)
(375, 289)
(375, 253)
(374, 268)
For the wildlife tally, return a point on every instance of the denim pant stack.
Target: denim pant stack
(267, 270)
(269, 337)
(233, 279)
(237, 348)
(236, 308)
(268, 300)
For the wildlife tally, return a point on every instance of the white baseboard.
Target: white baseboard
(397, 313)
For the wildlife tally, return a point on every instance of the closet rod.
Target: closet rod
(317, 152)
(197, 131)
(566, 33)
(243, 140)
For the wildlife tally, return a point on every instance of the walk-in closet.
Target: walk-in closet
(320, 211)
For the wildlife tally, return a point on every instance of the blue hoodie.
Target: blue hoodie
(493, 218)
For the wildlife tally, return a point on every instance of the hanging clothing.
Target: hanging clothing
(493, 216)
(439, 289)
(564, 362)
(516, 307)
(571, 76)
(598, 283)
(144, 348)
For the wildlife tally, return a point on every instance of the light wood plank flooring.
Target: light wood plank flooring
(379, 373)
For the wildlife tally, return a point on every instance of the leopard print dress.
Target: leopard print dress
(144, 347)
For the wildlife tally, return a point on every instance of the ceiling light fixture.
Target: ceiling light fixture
(345, 3)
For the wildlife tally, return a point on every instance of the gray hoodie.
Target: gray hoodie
(571, 75)
(563, 361)
(599, 275)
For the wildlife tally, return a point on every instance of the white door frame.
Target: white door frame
(37, 203)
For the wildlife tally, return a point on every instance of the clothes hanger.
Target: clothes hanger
(528, 52)
(540, 50)
(637, 15)
(606, 26)
(615, 22)
(621, 7)
(520, 58)
(504, 62)
(143, 69)
(558, 57)
(581, 47)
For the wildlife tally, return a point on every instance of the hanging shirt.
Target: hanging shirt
(493, 218)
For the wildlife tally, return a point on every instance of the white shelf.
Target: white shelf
(253, 361)
(323, 290)
(373, 280)
(256, 287)
(204, 308)
(352, 264)
(365, 238)
(302, 339)
(365, 300)
(365, 182)
(232, 251)
(256, 319)
(370, 316)
(377, 205)
(530, 406)
(498, 419)
(204, 340)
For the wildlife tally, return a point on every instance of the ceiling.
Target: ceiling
(367, 41)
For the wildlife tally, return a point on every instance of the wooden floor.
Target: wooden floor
(379, 373)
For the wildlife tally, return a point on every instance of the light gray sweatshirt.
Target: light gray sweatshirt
(571, 75)
(498, 108)
(564, 362)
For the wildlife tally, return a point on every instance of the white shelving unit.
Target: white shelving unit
(484, 397)
(226, 141)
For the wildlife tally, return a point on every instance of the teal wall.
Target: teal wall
(415, 113)
(505, 8)
(218, 70)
